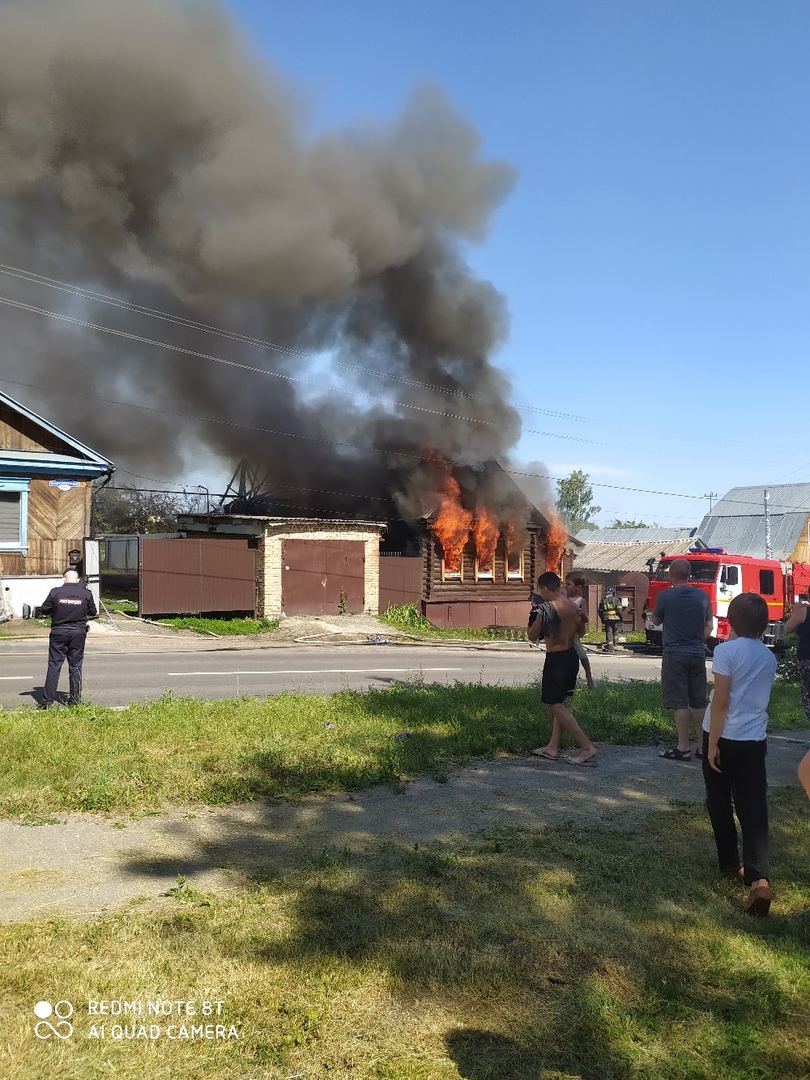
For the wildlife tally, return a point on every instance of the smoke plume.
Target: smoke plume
(147, 154)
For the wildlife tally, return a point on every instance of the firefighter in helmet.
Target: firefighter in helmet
(610, 612)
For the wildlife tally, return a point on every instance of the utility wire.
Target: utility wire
(140, 339)
(139, 309)
(775, 507)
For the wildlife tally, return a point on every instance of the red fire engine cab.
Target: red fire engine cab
(722, 577)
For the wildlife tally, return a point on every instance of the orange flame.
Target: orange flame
(453, 522)
(515, 537)
(485, 531)
(555, 541)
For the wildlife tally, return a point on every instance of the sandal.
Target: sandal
(674, 754)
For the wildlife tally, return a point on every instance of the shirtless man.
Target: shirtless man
(559, 623)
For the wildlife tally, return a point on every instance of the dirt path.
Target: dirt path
(91, 862)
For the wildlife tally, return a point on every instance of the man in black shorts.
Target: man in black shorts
(685, 613)
(558, 622)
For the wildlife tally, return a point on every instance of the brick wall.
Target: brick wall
(269, 569)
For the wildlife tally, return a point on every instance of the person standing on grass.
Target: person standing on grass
(558, 623)
(685, 613)
(70, 606)
(734, 748)
(573, 587)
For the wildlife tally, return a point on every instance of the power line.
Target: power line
(314, 438)
(139, 309)
(140, 339)
(775, 508)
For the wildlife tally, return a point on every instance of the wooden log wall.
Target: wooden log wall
(496, 588)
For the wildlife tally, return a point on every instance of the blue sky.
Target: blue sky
(654, 253)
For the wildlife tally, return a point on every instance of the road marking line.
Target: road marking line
(317, 671)
(10, 678)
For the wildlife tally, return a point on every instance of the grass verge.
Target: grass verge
(223, 627)
(182, 750)
(516, 955)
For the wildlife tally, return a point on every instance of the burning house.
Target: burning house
(184, 246)
(469, 561)
(478, 551)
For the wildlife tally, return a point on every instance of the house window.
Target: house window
(453, 575)
(14, 515)
(514, 565)
(485, 575)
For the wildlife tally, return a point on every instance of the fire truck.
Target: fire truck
(722, 577)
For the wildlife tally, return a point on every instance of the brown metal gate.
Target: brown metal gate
(323, 577)
(194, 575)
(401, 581)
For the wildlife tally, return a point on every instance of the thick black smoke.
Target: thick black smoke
(146, 153)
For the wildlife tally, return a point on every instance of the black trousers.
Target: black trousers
(65, 643)
(742, 786)
(612, 630)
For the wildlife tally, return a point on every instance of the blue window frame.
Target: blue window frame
(14, 515)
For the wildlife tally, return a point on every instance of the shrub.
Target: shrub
(787, 667)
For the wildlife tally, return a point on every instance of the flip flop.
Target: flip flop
(543, 754)
(588, 763)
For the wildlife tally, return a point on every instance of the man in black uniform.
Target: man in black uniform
(69, 606)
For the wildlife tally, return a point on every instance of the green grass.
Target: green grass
(181, 750)
(515, 955)
(596, 636)
(120, 604)
(221, 627)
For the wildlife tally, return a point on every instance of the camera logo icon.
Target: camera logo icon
(60, 1028)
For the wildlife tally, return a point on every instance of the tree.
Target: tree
(135, 510)
(575, 502)
(617, 523)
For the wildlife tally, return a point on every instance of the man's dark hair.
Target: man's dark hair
(680, 568)
(748, 615)
(549, 580)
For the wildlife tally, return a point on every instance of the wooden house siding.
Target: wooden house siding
(20, 433)
(57, 523)
(801, 553)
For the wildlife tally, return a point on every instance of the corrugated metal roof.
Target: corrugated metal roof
(654, 535)
(745, 501)
(627, 558)
(737, 521)
(745, 535)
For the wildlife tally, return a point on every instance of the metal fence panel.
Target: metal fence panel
(401, 581)
(194, 575)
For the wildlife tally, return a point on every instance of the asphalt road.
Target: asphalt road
(117, 676)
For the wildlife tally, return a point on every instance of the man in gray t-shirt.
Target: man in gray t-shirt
(685, 613)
